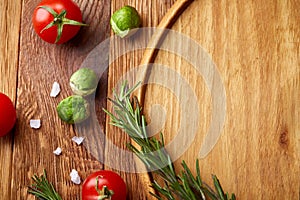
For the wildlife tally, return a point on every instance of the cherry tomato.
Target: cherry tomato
(7, 114)
(57, 21)
(103, 185)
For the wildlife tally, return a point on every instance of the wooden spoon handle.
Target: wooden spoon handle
(150, 53)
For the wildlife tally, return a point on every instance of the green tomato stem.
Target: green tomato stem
(59, 20)
(104, 193)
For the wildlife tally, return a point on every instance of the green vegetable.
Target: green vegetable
(84, 81)
(184, 185)
(125, 19)
(42, 188)
(73, 109)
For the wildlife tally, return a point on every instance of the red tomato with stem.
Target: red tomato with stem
(7, 115)
(102, 185)
(57, 21)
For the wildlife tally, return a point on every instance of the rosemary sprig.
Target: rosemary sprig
(42, 188)
(128, 116)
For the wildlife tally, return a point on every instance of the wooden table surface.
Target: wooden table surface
(256, 48)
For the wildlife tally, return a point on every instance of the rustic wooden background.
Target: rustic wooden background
(256, 48)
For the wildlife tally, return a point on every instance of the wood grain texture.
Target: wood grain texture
(255, 47)
(40, 65)
(156, 39)
(9, 31)
(151, 13)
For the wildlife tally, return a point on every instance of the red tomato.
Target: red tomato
(70, 22)
(7, 114)
(103, 185)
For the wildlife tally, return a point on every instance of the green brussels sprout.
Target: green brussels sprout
(84, 81)
(73, 109)
(125, 19)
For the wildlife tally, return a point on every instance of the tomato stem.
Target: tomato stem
(103, 193)
(59, 20)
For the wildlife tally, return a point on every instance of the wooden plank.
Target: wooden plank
(256, 49)
(151, 13)
(10, 12)
(40, 65)
(255, 46)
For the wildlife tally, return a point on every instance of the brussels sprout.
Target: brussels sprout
(84, 81)
(73, 109)
(125, 19)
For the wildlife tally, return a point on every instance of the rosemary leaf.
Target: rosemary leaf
(128, 116)
(42, 188)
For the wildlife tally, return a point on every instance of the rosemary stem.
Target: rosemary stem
(152, 153)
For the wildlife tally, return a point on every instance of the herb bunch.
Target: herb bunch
(42, 188)
(128, 116)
